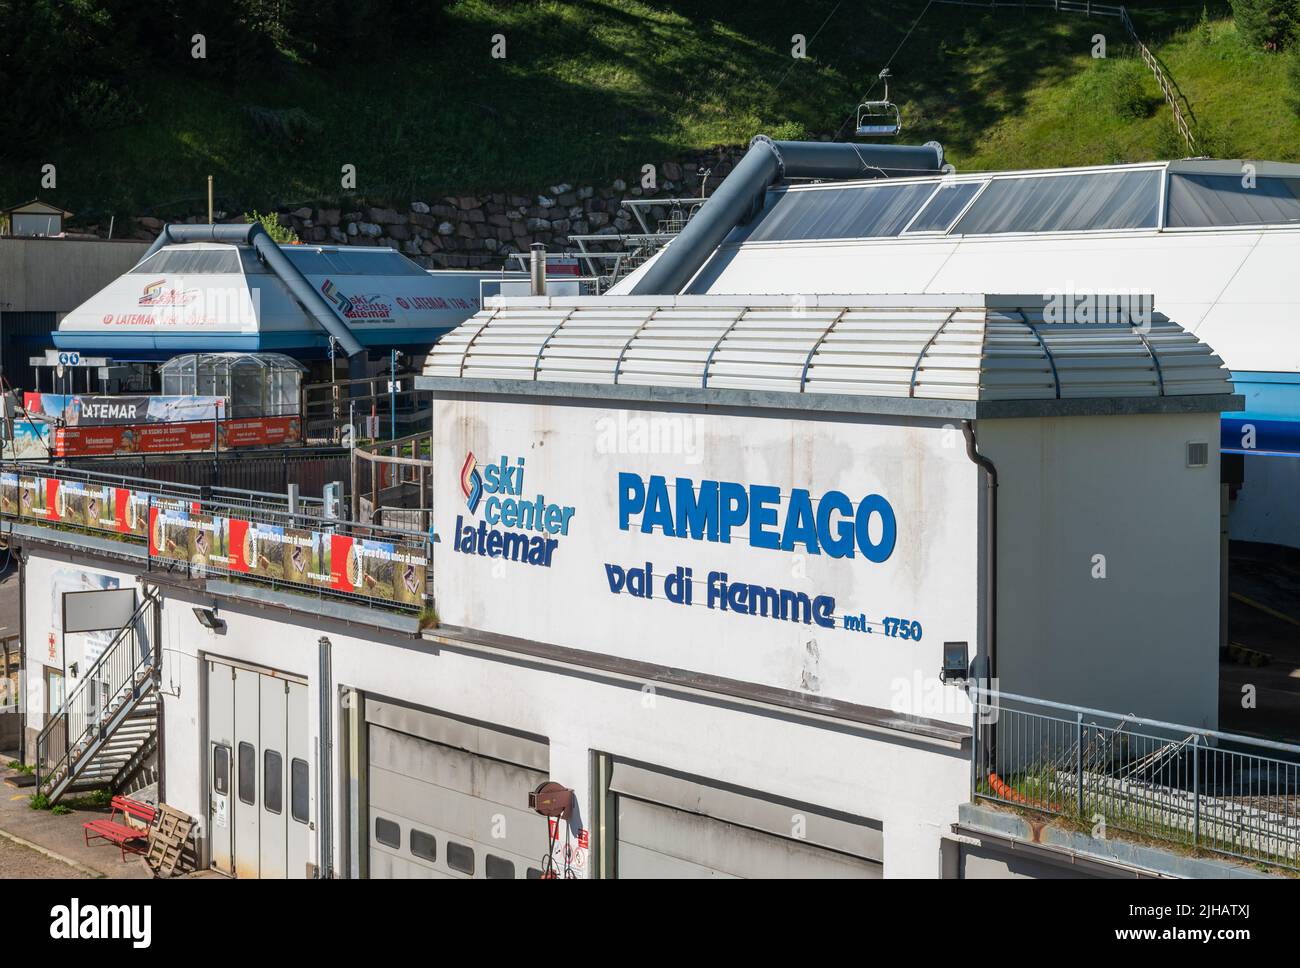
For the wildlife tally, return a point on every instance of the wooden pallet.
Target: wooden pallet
(167, 840)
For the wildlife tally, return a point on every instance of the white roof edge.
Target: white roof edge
(905, 301)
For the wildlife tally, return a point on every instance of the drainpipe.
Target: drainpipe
(741, 195)
(537, 269)
(25, 672)
(325, 755)
(312, 302)
(990, 549)
(989, 671)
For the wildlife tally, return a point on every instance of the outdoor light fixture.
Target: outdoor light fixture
(956, 662)
(208, 619)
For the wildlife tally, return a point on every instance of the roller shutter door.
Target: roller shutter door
(450, 798)
(669, 825)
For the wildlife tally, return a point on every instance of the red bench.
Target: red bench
(123, 834)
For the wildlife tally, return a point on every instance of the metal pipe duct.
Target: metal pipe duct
(537, 269)
(741, 194)
(312, 302)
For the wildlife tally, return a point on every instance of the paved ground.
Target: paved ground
(61, 835)
(17, 861)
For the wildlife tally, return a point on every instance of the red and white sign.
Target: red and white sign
(172, 438)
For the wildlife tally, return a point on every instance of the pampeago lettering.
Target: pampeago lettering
(831, 524)
(502, 483)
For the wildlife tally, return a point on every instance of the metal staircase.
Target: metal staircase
(105, 731)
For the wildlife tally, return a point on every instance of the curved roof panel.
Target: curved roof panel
(967, 348)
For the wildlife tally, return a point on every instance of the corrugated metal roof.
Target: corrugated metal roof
(956, 347)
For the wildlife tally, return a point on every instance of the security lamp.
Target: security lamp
(956, 662)
(208, 619)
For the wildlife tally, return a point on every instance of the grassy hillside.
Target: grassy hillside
(594, 89)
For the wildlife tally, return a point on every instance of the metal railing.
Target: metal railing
(393, 470)
(232, 496)
(329, 407)
(390, 566)
(1182, 111)
(121, 674)
(1199, 788)
(290, 566)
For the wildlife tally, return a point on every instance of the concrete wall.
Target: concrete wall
(914, 787)
(573, 457)
(57, 275)
(46, 579)
(1143, 639)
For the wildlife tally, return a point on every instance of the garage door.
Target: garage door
(449, 798)
(669, 825)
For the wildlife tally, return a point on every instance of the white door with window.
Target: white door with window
(259, 775)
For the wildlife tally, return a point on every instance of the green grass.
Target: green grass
(591, 90)
(95, 799)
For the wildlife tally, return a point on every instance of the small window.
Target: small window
(298, 792)
(866, 211)
(1197, 201)
(388, 833)
(221, 770)
(533, 874)
(1106, 200)
(942, 210)
(272, 781)
(498, 869)
(247, 773)
(424, 845)
(460, 858)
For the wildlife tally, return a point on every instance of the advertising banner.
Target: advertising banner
(174, 438)
(99, 410)
(30, 440)
(298, 556)
(97, 507)
(180, 530)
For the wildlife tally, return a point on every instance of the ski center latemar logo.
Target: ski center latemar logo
(513, 526)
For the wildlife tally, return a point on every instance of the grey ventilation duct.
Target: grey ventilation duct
(313, 303)
(741, 194)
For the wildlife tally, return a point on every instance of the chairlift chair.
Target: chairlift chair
(879, 118)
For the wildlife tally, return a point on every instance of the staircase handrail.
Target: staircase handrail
(63, 714)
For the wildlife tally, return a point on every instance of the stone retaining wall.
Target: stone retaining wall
(475, 231)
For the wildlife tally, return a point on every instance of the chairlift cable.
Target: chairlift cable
(810, 40)
(888, 63)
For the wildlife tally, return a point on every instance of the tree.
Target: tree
(1270, 24)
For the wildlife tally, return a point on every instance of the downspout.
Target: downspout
(985, 677)
(161, 752)
(325, 756)
(990, 551)
(741, 195)
(25, 672)
(312, 302)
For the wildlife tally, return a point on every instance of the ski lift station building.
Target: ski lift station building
(229, 288)
(1216, 243)
(717, 562)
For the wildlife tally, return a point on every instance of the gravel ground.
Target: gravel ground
(17, 861)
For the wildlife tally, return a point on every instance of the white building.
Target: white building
(698, 560)
(1215, 242)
